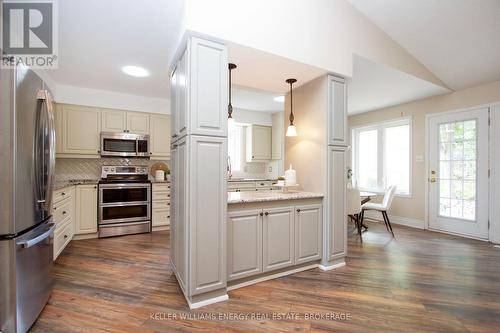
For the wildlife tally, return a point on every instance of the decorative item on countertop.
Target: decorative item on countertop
(290, 177)
(281, 181)
(159, 166)
(160, 175)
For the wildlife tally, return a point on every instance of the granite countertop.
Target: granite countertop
(265, 196)
(241, 180)
(59, 184)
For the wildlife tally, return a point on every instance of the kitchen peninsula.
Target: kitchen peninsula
(272, 234)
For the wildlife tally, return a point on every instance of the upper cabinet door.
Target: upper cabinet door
(182, 95)
(208, 95)
(114, 121)
(259, 143)
(174, 131)
(81, 128)
(160, 136)
(138, 123)
(337, 111)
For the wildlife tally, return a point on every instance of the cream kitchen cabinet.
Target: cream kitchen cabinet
(278, 238)
(86, 209)
(125, 121)
(308, 224)
(160, 202)
(137, 123)
(77, 131)
(244, 243)
(63, 214)
(159, 126)
(258, 143)
(114, 120)
(337, 111)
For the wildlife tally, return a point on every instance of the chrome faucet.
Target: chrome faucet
(229, 168)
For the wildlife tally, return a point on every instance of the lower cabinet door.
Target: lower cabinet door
(244, 243)
(86, 209)
(308, 224)
(278, 233)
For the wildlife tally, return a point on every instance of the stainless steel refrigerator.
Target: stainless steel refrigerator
(27, 161)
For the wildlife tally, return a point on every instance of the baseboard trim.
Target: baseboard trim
(334, 266)
(406, 221)
(206, 302)
(271, 277)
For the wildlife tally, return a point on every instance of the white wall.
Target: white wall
(110, 99)
(322, 33)
(252, 117)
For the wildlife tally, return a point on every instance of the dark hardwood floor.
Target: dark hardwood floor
(420, 281)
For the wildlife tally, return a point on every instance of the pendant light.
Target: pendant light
(230, 120)
(291, 130)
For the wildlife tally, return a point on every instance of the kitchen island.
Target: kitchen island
(272, 234)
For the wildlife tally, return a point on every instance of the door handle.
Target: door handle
(33, 241)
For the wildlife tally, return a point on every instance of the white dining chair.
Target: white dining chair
(382, 207)
(354, 208)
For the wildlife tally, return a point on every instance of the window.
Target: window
(234, 138)
(381, 156)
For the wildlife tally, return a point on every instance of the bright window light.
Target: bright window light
(381, 156)
(279, 99)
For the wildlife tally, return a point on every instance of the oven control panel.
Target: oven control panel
(116, 170)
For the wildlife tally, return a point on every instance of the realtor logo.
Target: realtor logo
(29, 33)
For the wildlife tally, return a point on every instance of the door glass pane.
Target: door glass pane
(457, 169)
(368, 159)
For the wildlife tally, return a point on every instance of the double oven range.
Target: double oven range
(124, 201)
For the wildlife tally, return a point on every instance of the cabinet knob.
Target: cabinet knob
(298, 210)
(168, 203)
(65, 236)
(64, 212)
(261, 214)
(95, 186)
(253, 156)
(266, 213)
(63, 194)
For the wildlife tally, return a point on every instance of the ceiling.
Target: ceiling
(375, 86)
(256, 100)
(97, 38)
(457, 40)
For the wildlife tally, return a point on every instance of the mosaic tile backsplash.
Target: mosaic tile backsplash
(83, 168)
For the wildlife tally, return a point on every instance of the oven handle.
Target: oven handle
(121, 186)
(126, 203)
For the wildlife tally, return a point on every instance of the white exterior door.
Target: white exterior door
(458, 173)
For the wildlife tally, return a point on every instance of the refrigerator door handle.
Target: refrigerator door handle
(27, 243)
(49, 150)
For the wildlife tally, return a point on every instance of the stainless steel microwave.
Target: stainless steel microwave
(124, 145)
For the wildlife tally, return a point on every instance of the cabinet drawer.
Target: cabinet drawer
(264, 184)
(161, 204)
(62, 237)
(164, 187)
(62, 194)
(161, 217)
(62, 210)
(157, 195)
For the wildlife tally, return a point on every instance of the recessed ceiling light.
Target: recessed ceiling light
(279, 99)
(135, 71)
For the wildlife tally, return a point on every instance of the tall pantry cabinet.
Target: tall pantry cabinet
(199, 100)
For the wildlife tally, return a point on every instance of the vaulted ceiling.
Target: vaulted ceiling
(457, 40)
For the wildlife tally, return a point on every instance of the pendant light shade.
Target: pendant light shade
(291, 130)
(230, 120)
